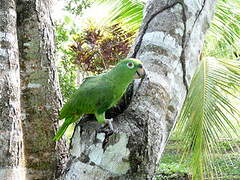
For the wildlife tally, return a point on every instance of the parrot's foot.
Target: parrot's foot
(109, 121)
(103, 129)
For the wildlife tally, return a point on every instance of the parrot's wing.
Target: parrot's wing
(94, 94)
(70, 107)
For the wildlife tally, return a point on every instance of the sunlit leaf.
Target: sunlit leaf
(208, 115)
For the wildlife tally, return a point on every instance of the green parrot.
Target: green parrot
(99, 93)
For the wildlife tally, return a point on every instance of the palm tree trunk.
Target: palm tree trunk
(11, 143)
(169, 44)
(40, 98)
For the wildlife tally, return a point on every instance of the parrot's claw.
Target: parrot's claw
(102, 128)
(109, 121)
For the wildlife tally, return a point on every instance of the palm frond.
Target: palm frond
(223, 37)
(127, 12)
(208, 115)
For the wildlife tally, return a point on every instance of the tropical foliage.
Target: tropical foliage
(96, 49)
(208, 114)
(66, 68)
(77, 6)
(223, 38)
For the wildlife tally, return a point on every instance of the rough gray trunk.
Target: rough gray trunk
(11, 144)
(169, 44)
(40, 97)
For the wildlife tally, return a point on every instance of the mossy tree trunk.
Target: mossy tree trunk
(169, 44)
(40, 94)
(11, 144)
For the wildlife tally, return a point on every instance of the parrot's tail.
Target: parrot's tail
(62, 130)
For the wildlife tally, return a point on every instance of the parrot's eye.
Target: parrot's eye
(130, 65)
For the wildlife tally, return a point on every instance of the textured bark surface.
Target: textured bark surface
(11, 144)
(169, 44)
(40, 97)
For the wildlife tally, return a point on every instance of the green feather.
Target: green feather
(63, 128)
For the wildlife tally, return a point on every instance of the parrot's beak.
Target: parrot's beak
(140, 73)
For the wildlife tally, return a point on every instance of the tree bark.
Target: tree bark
(11, 143)
(169, 44)
(40, 98)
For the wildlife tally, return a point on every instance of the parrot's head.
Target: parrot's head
(133, 67)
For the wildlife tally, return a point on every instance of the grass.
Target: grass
(172, 168)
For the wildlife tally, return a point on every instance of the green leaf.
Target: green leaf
(208, 114)
(223, 37)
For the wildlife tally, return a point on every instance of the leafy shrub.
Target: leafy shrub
(96, 48)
